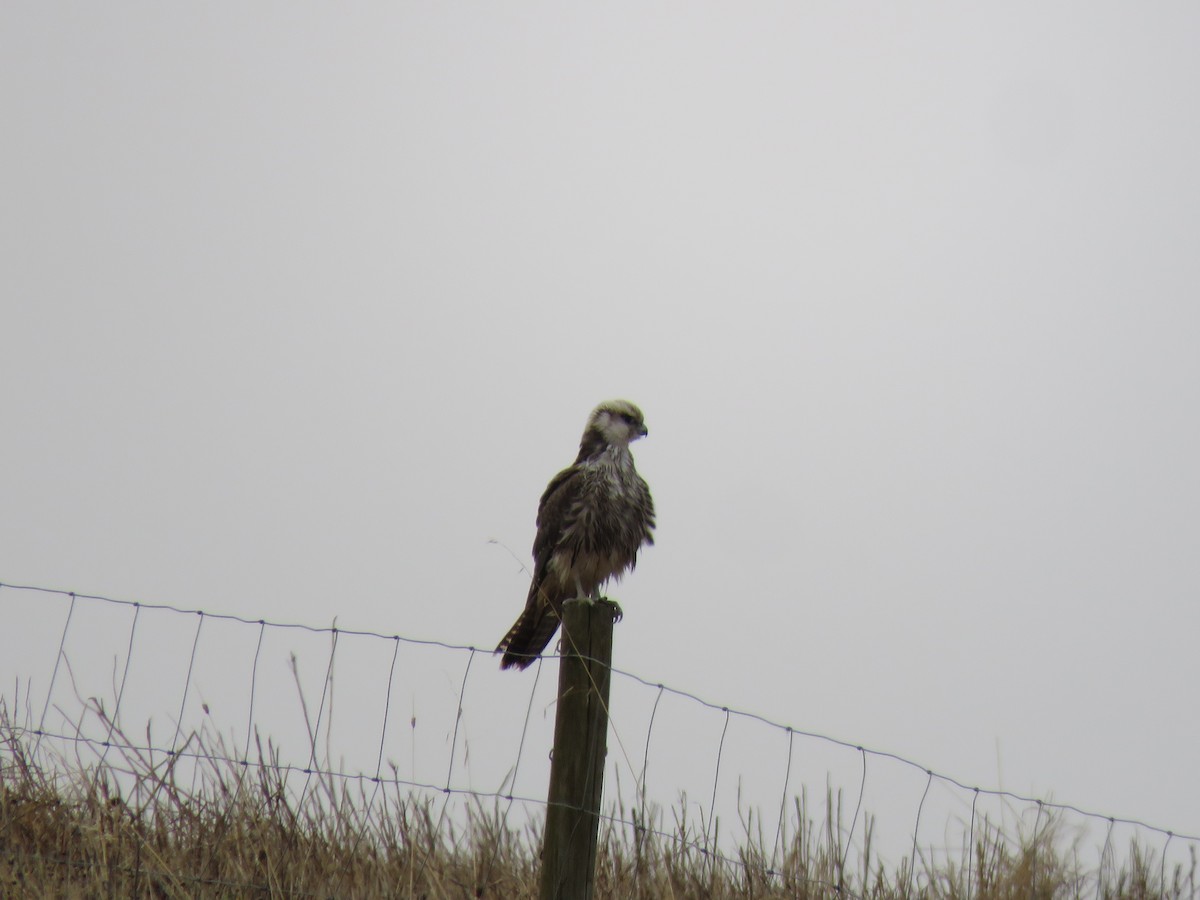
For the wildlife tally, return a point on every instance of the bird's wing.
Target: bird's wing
(554, 516)
(539, 620)
(646, 502)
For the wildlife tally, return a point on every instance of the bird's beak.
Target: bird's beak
(643, 431)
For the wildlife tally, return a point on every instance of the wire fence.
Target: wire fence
(389, 713)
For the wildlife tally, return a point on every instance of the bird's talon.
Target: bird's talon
(618, 613)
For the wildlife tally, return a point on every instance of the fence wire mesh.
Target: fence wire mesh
(151, 694)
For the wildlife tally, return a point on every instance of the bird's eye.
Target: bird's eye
(627, 418)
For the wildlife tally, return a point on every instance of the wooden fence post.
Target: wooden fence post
(580, 745)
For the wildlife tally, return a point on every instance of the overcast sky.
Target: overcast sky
(304, 305)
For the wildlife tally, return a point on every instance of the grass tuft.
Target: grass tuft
(130, 826)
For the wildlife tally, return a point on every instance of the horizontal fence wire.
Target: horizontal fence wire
(703, 843)
(894, 757)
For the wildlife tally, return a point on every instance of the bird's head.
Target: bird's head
(617, 422)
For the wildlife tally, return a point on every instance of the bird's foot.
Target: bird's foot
(618, 613)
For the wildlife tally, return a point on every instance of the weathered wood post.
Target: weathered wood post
(580, 745)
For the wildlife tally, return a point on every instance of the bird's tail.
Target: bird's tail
(529, 636)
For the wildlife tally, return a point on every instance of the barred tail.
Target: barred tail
(529, 636)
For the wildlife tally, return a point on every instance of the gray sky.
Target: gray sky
(302, 307)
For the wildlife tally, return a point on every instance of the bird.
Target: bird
(592, 520)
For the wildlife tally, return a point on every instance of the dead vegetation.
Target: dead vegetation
(133, 826)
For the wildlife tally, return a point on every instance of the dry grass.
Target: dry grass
(132, 829)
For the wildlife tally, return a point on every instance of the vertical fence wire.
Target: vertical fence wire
(641, 815)
(912, 861)
(971, 844)
(646, 752)
(1162, 869)
(187, 682)
(712, 806)
(116, 713)
(314, 735)
(262, 629)
(783, 799)
(1033, 849)
(537, 675)
(173, 756)
(244, 762)
(387, 705)
(62, 642)
(862, 789)
(1105, 858)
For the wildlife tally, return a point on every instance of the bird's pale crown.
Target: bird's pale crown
(618, 421)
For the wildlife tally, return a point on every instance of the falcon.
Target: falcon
(592, 519)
